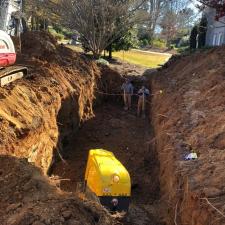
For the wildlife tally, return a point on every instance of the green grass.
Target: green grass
(145, 59)
(75, 48)
(58, 36)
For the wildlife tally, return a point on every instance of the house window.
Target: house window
(214, 39)
(220, 39)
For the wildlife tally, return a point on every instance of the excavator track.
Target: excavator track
(11, 73)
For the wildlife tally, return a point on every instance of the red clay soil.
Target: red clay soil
(189, 116)
(39, 114)
(36, 115)
(27, 197)
(60, 82)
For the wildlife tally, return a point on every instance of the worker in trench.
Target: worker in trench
(128, 91)
(143, 93)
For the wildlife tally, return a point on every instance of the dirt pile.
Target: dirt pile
(188, 115)
(28, 198)
(43, 46)
(37, 113)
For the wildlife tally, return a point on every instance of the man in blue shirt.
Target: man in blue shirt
(128, 91)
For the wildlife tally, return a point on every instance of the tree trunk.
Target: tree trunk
(32, 22)
(96, 54)
(37, 24)
(110, 51)
(46, 24)
(24, 24)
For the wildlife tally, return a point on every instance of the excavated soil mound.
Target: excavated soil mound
(37, 114)
(43, 46)
(28, 198)
(189, 116)
(40, 45)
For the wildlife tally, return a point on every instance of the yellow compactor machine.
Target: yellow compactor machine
(108, 179)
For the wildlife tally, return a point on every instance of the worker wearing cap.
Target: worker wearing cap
(143, 93)
(128, 91)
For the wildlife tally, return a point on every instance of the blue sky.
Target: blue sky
(193, 6)
(193, 3)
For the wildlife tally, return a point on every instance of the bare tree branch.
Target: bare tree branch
(99, 22)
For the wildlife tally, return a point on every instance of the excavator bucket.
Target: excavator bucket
(12, 73)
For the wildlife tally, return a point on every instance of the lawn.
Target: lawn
(75, 48)
(147, 59)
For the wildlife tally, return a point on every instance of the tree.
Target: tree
(169, 26)
(202, 32)
(193, 37)
(40, 12)
(99, 22)
(125, 42)
(177, 20)
(150, 13)
(218, 5)
(3, 5)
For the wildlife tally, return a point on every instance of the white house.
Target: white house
(215, 35)
(8, 11)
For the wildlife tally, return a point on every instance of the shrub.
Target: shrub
(159, 43)
(58, 36)
(144, 43)
(102, 61)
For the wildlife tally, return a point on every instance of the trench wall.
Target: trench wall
(188, 115)
(38, 113)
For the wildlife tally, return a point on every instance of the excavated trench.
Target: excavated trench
(51, 120)
(48, 125)
(130, 139)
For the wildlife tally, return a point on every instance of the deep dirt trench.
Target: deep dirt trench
(38, 116)
(128, 137)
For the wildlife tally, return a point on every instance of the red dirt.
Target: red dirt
(189, 115)
(29, 108)
(39, 114)
(36, 115)
(28, 198)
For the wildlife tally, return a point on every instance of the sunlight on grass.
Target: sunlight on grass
(146, 59)
(75, 48)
